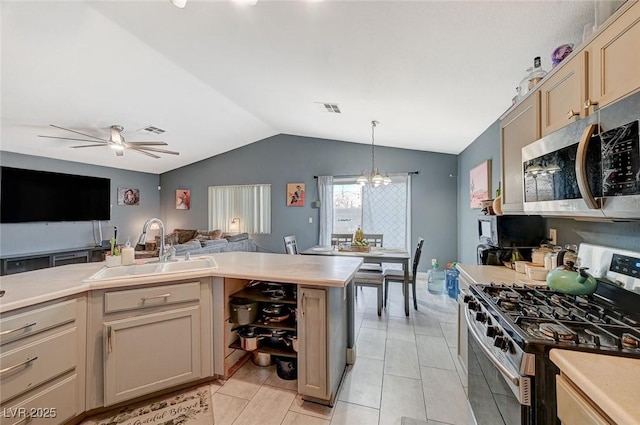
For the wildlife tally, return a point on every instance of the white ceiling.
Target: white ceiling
(217, 75)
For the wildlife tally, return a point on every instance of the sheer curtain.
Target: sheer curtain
(250, 203)
(325, 195)
(387, 210)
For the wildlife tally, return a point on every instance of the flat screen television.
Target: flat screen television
(33, 196)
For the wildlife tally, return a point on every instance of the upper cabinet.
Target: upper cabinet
(615, 60)
(517, 129)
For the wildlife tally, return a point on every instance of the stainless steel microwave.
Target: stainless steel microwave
(589, 169)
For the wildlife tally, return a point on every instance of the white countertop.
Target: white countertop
(496, 274)
(611, 382)
(25, 289)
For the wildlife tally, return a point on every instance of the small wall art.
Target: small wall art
(128, 196)
(295, 194)
(183, 199)
(480, 183)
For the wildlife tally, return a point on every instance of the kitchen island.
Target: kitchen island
(116, 329)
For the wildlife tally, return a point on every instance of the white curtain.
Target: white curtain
(387, 210)
(325, 195)
(250, 203)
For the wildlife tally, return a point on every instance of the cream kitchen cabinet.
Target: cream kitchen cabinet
(574, 408)
(563, 94)
(148, 339)
(517, 129)
(42, 365)
(463, 342)
(312, 336)
(614, 56)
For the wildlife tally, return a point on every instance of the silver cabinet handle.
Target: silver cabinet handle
(155, 297)
(109, 345)
(14, 367)
(10, 331)
(492, 357)
(589, 103)
(572, 114)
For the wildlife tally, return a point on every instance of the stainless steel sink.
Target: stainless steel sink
(153, 268)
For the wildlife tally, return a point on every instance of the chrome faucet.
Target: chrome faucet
(162, 253)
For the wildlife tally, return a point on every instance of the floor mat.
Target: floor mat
(192, 407)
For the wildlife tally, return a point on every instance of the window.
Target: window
(382, 209)
(249, 203)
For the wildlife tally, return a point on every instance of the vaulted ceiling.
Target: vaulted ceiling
(218, 75)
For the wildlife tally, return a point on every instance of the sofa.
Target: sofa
(196, 242)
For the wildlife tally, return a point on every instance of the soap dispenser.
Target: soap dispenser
(128, 253)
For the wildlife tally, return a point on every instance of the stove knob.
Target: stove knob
(467, 298)
(473, 305)
(493, 331)
(481, 317)
(501, 342)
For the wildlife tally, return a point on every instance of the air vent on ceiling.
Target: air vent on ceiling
(153, 129)
(332, 108)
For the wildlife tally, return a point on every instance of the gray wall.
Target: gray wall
(35, 237)
(283, 159)
(486, 146)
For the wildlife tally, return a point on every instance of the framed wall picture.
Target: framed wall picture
(183, 199)
(128, 196)
(295, 194)
(480, 183)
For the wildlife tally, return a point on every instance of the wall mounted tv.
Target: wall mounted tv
(31, 196)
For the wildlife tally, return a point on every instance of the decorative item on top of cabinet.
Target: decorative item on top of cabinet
(517, 129)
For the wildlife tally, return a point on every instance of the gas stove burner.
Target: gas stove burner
(556, 331)
(508, 305)
(630, 341)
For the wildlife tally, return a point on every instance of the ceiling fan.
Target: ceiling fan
(116, 142)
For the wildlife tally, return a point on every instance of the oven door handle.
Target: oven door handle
(492, 357)
(581, 167)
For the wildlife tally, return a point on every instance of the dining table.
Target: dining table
(374, 255)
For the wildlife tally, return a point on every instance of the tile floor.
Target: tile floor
(406, 367)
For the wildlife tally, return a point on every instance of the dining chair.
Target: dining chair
(375, 240)
(394, 275)
(370, 279)
(338, 238)
(290, 245)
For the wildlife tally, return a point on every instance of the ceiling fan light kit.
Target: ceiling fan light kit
(116, 142)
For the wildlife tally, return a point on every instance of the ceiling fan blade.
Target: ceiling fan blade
(104, 142)
(99, 145)
(155, 150)
(147, 143)
(77, 132)
(145, 153)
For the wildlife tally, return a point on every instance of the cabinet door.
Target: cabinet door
(518, 129)
(312, 337)
(573, 408)
(563, 94)
(615, 59)
(151, 352)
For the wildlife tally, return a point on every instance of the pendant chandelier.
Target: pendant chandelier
(373, 176)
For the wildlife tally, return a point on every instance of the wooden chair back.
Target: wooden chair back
(290, 245)
(338, 238)
(375, 239)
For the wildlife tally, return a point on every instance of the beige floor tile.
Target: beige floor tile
(227, 408)
(269, 407)
(426, 323)
(459, 368)
(450, 331)
(311, 409)
(401, 359)
(401, 397)
(216, 385)
(371, 343)
(401, 329)
(246, 382)
(444, 396)
(363, 383)
(275, 381)
(373, 321)
(354, 414)
(294, 418)
(433, 352)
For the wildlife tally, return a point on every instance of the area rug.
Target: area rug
(190, 406)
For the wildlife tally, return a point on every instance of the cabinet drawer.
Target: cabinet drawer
(36, 363)
(151, 297)
(53, 405)
(31, 322)
(573, 408)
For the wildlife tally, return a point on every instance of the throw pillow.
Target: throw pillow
(185, 235)
(238, 237)
(210, 234)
